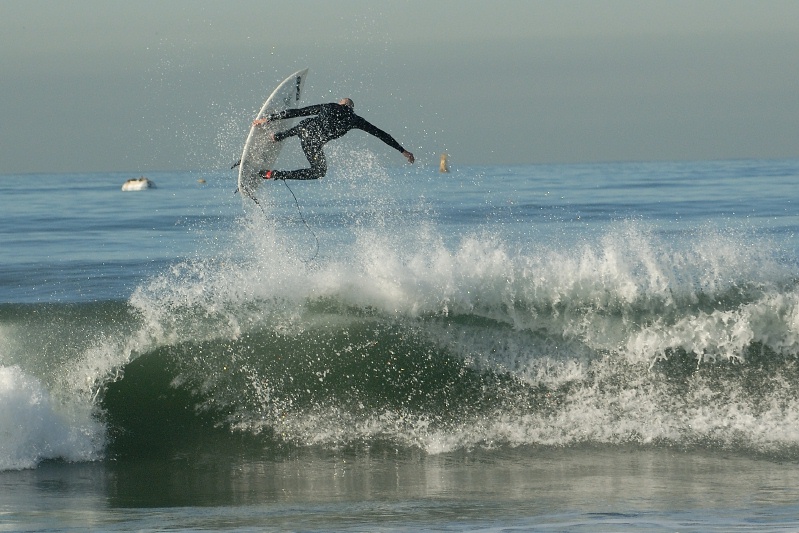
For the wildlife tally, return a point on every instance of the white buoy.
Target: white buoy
(138, 184)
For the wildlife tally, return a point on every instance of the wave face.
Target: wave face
(411, 343)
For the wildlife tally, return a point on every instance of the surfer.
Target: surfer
(327, 122)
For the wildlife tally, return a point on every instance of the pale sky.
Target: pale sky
(102, 85)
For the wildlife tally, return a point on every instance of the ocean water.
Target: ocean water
(597, 347)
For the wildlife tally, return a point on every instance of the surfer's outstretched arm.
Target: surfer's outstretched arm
(368, 127)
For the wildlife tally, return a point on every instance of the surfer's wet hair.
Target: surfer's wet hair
(347, 102)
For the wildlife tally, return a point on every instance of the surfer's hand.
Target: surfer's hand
(408, 156)
(260, 121)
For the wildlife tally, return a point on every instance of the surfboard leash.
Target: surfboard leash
(302, 217)
(299, 211)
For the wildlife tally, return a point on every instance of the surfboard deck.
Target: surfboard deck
(260, 153)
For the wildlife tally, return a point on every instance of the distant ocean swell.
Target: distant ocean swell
(630, 338)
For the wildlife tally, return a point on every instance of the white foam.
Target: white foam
(34, 427)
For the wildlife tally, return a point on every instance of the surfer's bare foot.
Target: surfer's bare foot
(272, 137)
(266, 174)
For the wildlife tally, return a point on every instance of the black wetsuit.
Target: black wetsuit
(331, 121)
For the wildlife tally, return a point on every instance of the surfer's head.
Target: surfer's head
(347, 102)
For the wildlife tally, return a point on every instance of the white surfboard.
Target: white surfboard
(260, 153)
